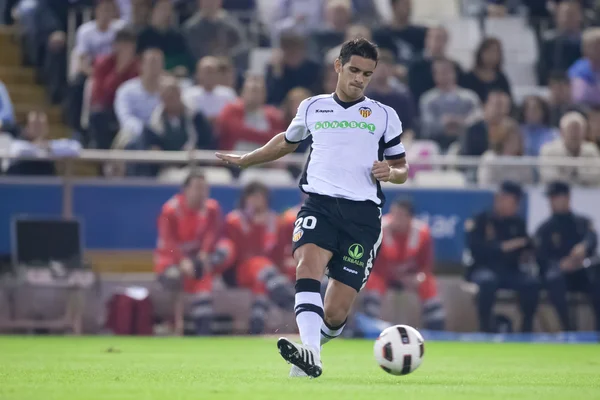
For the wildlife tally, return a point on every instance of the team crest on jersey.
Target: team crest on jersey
(365, 111)
(298, 235)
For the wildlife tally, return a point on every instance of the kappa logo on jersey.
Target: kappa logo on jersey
(324, 111)
(345, 125)
(365, 112)
(355, 253)
(298, 235)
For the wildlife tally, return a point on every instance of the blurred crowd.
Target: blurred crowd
(175, 75)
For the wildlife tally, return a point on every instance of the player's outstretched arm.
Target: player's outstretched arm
(274, 150)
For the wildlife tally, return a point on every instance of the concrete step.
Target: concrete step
(22, 109)
(20, 93)
(17, 75)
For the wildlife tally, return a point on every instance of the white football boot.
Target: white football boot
(304, 358)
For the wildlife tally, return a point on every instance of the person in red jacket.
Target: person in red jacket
(110, 72)
(253, 230)
(189, 251)
(285, 257)
(405, 262)
(247, 124)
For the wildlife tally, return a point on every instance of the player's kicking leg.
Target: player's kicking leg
(312, 261)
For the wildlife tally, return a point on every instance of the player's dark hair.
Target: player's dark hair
(404, 203)
(251, 189)
(360, 47)
(193, 175)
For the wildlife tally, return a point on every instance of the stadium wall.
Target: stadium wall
(123, 217)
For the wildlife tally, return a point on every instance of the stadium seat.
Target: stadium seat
(271, 177)
(438, 10)
(434, 178)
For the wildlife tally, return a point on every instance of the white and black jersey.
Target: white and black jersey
(346, 139)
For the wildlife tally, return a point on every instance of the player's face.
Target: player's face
(354, 76)
(196, 192)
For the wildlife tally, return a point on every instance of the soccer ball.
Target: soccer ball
(399, 349)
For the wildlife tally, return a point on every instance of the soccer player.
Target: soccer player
(339, 225)
(405, 261)
(189, 252)
(253, 231)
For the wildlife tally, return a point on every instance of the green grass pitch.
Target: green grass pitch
(65, 368)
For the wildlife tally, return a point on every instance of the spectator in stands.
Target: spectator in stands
(162, 35)
(381, 89)
(173, 127)
(139, 15)
(486, 131)
(110, 72)
(208, 96)
(7, 113)
(584, 74)
(44, 42)
(593, 134)
(571, 144)
(290, 68)
(566, 242)
(510, 145)
(95, 38)
(303, 17)
(405, 39)
(329, 81)
(189, 253)
(338, 17)
(447, 108)
(289, 109)
(253, 230)
(354, 32)
(420, 71)
(561, 47)
(502, 254)
(487, 73)
(405, 262)
(137, 98)
(221, 33)
(560, 96)
(535, 124)
(248, 123)
(33, 141)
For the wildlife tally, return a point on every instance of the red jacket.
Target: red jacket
(405, 253)
(284, 256)
(183, 232)
(231, 126)
(106, 81)
(251, 239)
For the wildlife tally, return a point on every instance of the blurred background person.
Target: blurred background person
(571, 143)
(565, 243)
(405, 262)
(535, 125)
(487, 74)
(583, 74)
(501, 258)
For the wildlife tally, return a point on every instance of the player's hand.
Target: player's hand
(232, 159)
(381, 171)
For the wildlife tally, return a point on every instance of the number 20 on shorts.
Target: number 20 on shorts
(303, 223)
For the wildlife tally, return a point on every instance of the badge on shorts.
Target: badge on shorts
(297, 235)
